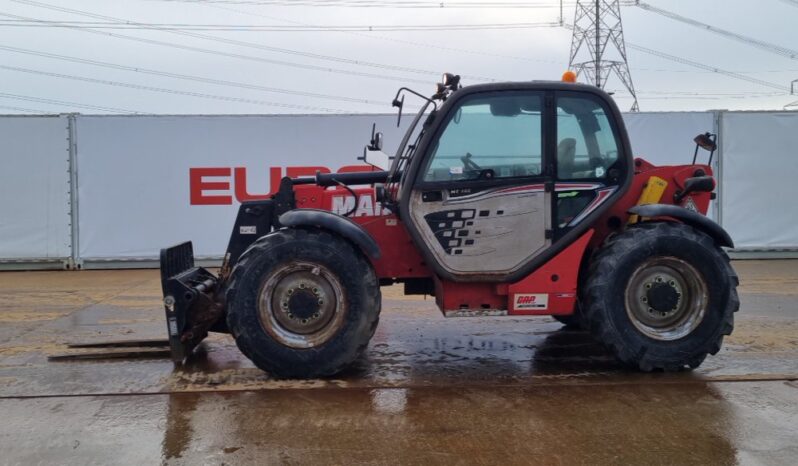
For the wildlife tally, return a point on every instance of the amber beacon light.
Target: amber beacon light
(569, 77)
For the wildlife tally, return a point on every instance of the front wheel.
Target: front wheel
(661, 295)
(302, 303)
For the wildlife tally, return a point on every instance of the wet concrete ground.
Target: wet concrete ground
(429, 390)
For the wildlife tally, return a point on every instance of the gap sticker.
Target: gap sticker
(538, 302)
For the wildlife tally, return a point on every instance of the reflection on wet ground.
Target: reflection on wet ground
(698, 423)
(428, 390)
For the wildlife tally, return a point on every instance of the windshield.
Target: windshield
(489, 136)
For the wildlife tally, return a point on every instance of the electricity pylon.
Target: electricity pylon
(597, 47)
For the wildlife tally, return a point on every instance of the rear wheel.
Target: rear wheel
(661, 295)
(302, 303)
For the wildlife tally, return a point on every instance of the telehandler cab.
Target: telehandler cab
(517, 198)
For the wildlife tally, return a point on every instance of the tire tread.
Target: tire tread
(599, 282)
(366, 326)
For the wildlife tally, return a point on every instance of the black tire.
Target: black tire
(615, 306)
(255, 302)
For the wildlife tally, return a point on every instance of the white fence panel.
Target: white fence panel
(34, 189)
(667, 138)
(760, 164)
(147, 182)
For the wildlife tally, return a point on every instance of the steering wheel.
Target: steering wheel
(469, 164)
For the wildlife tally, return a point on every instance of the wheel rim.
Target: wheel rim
(302, 305)
(666, 298)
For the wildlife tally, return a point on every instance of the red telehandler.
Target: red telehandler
(517, 198)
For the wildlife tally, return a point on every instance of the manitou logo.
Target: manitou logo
(220, 185)
(532, 301)
(366, 206)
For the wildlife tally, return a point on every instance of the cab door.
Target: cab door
(481, 201)
(590, 165)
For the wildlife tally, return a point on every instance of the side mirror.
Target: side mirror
(377, 159)
(376, 142)
(373, 154)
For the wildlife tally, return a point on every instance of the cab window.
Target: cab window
(490, 136)
(586, 143)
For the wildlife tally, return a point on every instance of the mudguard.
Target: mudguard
(335, 223)
(689, 217)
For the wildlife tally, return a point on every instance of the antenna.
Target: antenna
(597, 46)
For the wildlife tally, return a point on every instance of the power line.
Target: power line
(233, 55)
(639, 48)
(142, 87)
(677, 97)
(767, 46)
(702, 66)
(215, 4)
(425, 45)
(666, 70)
(66, 103)
(249, 45)
(23, 109)
(207, 80)
(666, 95)
(693, 98)
(277, 28)
(384, 4)
(713, 69)
(718, 94)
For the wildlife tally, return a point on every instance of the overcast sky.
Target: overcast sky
(318, 71)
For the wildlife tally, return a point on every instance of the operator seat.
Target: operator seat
(566, 156)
